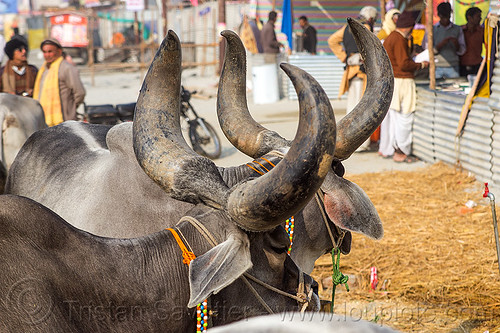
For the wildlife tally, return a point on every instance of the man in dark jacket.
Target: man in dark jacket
(268, 37)
(309, 39)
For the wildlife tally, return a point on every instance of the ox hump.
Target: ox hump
(119, 139)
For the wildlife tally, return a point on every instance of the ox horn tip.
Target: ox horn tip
(227, 33)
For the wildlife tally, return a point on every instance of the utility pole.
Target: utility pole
(221, 26)
(430, 46)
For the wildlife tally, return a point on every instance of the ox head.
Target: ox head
(249, 213)
(345, 203)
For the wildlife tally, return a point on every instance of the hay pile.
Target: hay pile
(439, 263)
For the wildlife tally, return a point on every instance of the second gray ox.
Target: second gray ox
(56, 278)
(89, 175)
(19, 118)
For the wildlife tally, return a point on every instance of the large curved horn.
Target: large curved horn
(353, 129)
(357, 126)
(159, 145)
(257, 204)
(235, 120)
(265, 202)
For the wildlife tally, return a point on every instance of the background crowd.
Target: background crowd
(56, 85)
(457, 51)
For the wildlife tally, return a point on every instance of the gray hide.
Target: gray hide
(56, 278)
(19, 117)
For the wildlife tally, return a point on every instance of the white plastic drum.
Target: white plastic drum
(265, 84)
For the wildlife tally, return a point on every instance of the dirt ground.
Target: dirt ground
(437, 265)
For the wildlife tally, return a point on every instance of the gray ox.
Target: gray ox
(56, 278)
(89, 175)
(19, 117)
(307, 322)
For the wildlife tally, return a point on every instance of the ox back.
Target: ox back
(89, 175)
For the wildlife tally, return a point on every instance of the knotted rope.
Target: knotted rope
(337, 276)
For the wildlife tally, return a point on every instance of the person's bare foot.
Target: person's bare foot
(403, 158)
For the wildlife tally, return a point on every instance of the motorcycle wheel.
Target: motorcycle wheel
(205, 144)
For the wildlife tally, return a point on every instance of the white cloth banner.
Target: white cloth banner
(135, 5)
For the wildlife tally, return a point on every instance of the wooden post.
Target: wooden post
(164, 4)
(142, 43)
(468, 99)
(222, 23)
(430, 45)
(214, 49)
(205, 41)
(382, 10)
(91, 21)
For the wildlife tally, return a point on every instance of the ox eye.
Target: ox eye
(280, 249)
(337, 167)
(278, 240)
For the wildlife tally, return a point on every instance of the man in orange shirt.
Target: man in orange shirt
(474, 38)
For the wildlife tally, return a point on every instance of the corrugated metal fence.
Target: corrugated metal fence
(436, 120)
(326, 69)
(494, 104)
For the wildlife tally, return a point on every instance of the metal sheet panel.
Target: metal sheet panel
(326, 69)
(494, 100)
(474, 151)
(423, 125)
(481, 174)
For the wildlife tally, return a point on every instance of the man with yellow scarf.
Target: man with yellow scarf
(57, 86)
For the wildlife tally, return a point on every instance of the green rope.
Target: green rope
(337, 276)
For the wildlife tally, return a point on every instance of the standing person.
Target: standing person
(58, 86)
(247, 36)
(256, 25)
(268, 37)
(389, 24)
(96, 43)
(354, 79)
(396, 137)
(17, 76)
(474, 39)
(309, 35)
(448, 44)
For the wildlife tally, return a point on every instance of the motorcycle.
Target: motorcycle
(202, 135)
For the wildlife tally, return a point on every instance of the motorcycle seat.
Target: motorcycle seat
(126, 111)
(101, 114)
(102, 110)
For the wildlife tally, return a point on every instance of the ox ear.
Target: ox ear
(216, 269)
(348, 206)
